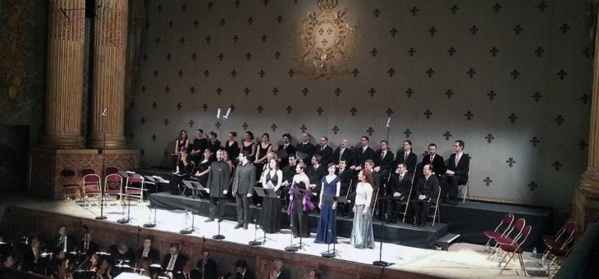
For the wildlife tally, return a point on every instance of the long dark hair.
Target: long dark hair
(180, 137)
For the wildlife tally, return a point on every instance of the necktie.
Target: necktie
(383, 155)
(64, 243)
(85, 246)
(432, 158)
(405, 156)
(400, 177)
(341, 153)
(171, 263)
(457, 159)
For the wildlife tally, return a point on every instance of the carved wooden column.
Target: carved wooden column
(586, 199)
(66, 30)
(110, 65)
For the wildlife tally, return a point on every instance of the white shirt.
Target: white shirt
(364, 194)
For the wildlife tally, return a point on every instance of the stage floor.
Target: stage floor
(461, 261)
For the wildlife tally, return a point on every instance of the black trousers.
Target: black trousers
(421, 210)
(217, 204)
(450, 184)
(243, 208)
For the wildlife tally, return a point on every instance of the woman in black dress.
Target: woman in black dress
(300, 204)
(263, 148)
(249, 145)
(181, 141)
(232, 147)
(271, 208)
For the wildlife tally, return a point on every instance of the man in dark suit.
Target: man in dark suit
(434, 159)
(343, 152)
(243, 188)
(325, 151)
(289, 149)
(305, 149)
(407, 157)
(87, 246)
(174, 261)
(207, 266)
(383, 160)
(316, 171)
(242, 271)
(458, 166)
(289, 171)
(361, 154)
(279, 271)
(213, 143)
(31, 257)
(346, 177)
(219, 179)
(400, 184)
(426, 195)
(64, 242)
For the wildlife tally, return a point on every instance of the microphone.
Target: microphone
(227, 115)
(218, 113)
(104, 111)
(388, 122)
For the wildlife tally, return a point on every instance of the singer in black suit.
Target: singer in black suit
(31, 257)
(316, 171)
(458, 166)
(219, 179)
(407, 157)
(434, 159)
(179, 261)
(305, 149)
(207, 266)
(147, 251)
(362, 154)
(383, 161)
(63, 242)
(289, 149)
(400, 184)
(426, 194)
(325, 151)
(343, 152)
(243, 189)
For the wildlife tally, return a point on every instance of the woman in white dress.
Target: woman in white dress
(362, 235)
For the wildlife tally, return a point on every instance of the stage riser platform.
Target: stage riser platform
(400, 233)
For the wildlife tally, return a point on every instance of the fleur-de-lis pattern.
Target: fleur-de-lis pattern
(438, 78)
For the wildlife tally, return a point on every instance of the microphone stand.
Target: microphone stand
(255, 242)
(330, 253)
(388, 126)
(192, 228)
(102, 188)
(380, 262)
(153, 223)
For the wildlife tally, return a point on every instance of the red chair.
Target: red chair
(506, 222)
(91, 185)
(85, 172)
(113, 186)
(515, 248)
(69, 185)
(519, 225)
(563, 238)
(558, 255)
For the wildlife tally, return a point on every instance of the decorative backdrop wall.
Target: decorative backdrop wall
(510, 78)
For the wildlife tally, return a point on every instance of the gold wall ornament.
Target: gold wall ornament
(325, 42)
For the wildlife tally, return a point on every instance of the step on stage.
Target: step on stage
(468, 220)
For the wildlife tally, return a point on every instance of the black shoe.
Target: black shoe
(238, 226)
(220, 220)
(209, 220)
(245, 226)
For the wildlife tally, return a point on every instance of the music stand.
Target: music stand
(331, 253)
(380, 262)
(300, 245)
(264, 193)
(191, 185)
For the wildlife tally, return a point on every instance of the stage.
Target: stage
(461, 261)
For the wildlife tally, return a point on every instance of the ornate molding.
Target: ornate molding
(325, 42)
(12, 59)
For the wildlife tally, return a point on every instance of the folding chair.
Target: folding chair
(91, 185)
(406, 203)
(558, 255)
(515, 248)
(436, 213)
(69, 185)
(464, 188)
(131, 188)
(113, 186)
(506, 222)
(507, 238)
(563, 238)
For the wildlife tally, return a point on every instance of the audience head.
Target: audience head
(173, 249)
(365, 176)
(7, 261)
(301, 168)
(313, 274)
(272, 164)
(401, 168)
(432, 149)
(62, 230)
(331, 168)
(200, 133)
(316, 159)
(277, 265)
(207, 153)
(343, 143)
(232, 135)
(241, 266)
(212, 135)
(369, 164)
(342, 164)
(147, 243)
(205, 255)
(271, 155)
